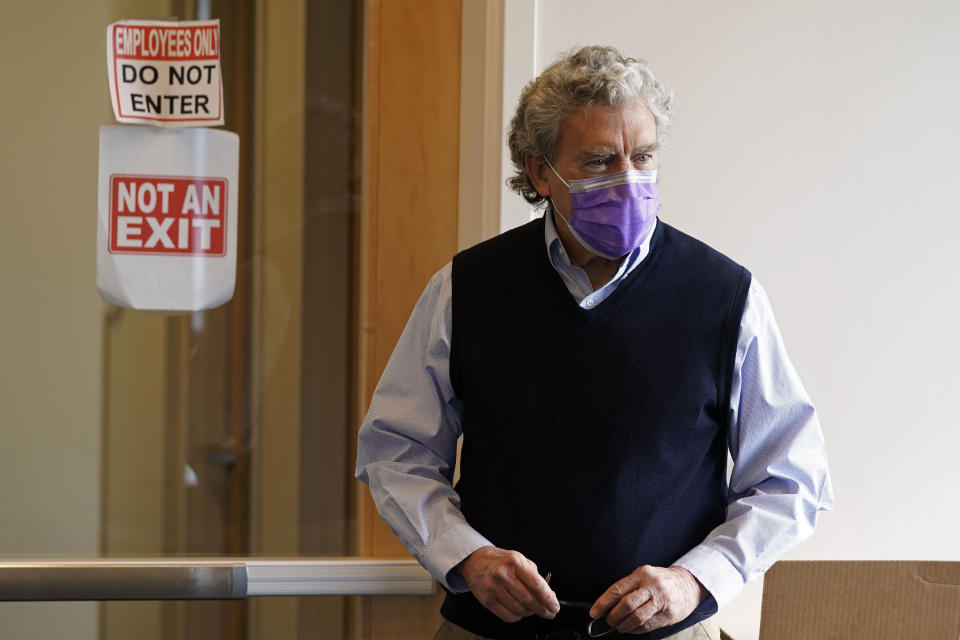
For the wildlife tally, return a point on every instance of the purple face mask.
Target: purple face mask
(612, 214)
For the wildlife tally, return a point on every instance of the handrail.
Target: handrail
(208, 578)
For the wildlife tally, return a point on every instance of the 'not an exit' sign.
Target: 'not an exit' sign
(168, 214)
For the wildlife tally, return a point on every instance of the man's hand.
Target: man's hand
(650, 598)
(508, 584)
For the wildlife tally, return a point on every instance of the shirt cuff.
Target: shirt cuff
(449, 550)
(714, 571)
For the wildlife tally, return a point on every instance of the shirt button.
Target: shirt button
(590, 302)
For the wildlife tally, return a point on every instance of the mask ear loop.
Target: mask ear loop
(553, 205)
(565, 183)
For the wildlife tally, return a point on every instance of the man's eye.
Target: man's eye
(643, 157)
(599, 162)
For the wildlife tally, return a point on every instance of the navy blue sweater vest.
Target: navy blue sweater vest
(594, 440)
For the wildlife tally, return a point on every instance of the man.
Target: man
(599, 365)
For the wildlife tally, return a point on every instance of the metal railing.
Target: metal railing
(206, 579)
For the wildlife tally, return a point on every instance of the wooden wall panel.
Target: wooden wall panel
(408, 225)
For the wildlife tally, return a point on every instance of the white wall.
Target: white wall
(816, 143)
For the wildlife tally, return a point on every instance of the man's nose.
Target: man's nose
(620, 164)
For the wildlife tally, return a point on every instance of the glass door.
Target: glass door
(167, 457)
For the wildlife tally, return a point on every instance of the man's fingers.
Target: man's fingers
(522, 590)
(612, 596)
(498, 609)
(649, 598)
(500, 601)
(530, 600)
(537, 594)
(500, 578)
(640, 619)
(512, 604)
(627, 606)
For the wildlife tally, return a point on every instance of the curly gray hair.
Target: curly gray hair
(578, 79)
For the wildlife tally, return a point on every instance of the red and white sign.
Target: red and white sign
(167, 217)
(175, 215)
(165, 73)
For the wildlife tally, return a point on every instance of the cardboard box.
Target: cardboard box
(834, 600)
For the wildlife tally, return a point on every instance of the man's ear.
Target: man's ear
(536, 169)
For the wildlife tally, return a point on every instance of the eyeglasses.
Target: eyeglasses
(596, 628)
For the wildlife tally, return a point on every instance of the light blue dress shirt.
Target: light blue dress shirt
(778, 483)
